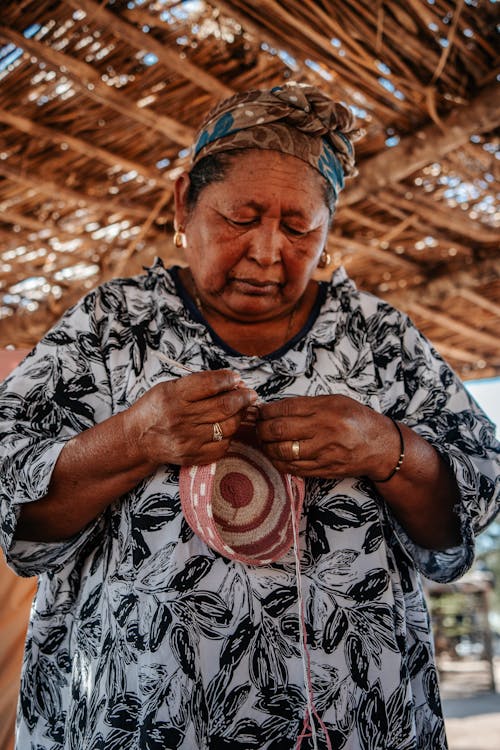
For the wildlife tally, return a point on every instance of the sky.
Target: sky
(487, 394)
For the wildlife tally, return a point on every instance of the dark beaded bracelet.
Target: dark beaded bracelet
(401, 454)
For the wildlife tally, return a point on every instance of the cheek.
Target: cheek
(300, 267)
(212, 259)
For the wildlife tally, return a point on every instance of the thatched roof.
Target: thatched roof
(99, 102)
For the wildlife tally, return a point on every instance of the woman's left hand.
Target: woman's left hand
(331, 436)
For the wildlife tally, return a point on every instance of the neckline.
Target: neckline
(198, 317)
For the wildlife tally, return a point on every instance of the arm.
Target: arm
(423, 495)
(170, 424)
(452, 456)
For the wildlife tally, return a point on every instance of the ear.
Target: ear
(181, 188)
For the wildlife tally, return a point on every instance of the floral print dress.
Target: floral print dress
(143, 637)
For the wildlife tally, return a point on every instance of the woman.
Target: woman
(143, 636)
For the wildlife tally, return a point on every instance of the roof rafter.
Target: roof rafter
(81, 146)
(480, 301)
(455, 352)
(383, 256)
(138, 39)
(430, 144)
(464, 329)
(55, 190)
(88, 79)
(436, 215)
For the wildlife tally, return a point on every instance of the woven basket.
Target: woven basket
(241, 505)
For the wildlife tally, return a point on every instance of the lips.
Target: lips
(255, 286)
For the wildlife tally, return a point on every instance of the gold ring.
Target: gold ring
(296, 450)
(217, 433)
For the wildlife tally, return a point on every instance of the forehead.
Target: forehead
(260, 176)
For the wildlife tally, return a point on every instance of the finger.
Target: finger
(281, 429)
(290, 451)
(223, 430)
(299, 468)
(202, 385)
(209, 453)
(250, 415)
(301, 406)
(228, 404)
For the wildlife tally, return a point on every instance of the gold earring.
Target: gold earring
(324, 260)
(179, 237)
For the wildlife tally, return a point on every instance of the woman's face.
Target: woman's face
(254, 239)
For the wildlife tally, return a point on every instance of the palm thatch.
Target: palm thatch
(99, 102)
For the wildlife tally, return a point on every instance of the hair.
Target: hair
(214, 168)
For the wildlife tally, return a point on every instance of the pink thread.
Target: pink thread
(308, 727)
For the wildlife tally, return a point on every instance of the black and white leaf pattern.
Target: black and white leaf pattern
(144, 639)
(371, 719)
(267, 667)
(371, 587)
(160, 624)
(373, 538)
(237, 643)
(335, 629)
(277, 602)
(357, 659)
(183, 650)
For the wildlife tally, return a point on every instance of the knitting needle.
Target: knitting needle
(174, 362)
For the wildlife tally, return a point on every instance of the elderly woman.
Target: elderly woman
(142, 634)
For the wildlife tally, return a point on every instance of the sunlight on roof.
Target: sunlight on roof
(78, 272)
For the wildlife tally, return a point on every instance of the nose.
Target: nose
(266, 244)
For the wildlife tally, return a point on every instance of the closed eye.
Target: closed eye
(241, 222)
(294, 231)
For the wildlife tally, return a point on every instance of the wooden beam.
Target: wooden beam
(84, 147)
(435, 291)
(453, 221)
(382, 256)
(295, 34)
(120, 266)
(452, 324)
(57, 191)
(419, 223)
(479, 301)
(140, 40)
(430, 144)
(455, 352)
(14, 218)
(88, 79)
(10, 240)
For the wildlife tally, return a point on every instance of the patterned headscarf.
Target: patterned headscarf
(296, 119)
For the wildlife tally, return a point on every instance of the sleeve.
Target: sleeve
(61, 389)
(423, 392)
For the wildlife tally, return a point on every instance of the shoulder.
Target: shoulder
(342, 291)
(132, 294)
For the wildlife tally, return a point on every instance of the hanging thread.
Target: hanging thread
(309, 727)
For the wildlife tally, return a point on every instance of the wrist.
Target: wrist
(398, 461)
(135, 442)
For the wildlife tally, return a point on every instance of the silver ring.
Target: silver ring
(295, 450)
(217, 433)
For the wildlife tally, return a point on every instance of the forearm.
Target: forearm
(94, 469)
(423, 494)
(171, 424)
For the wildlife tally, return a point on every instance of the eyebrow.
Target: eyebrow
(256, 206)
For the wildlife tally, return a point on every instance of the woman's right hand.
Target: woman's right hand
(173, 423)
